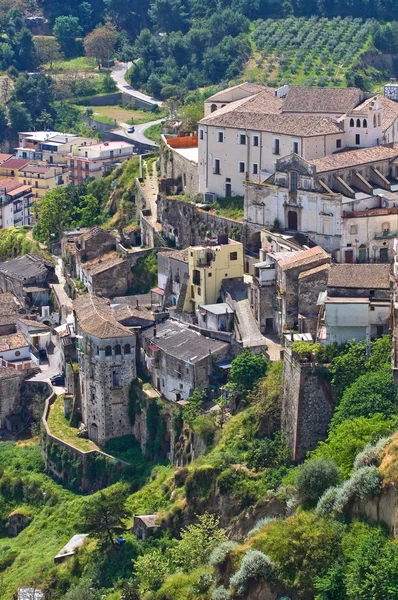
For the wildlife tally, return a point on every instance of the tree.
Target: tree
(25, 52)
(103, 514)
(66, 30)
(315, 476)
(3, 123)
(54, 213)
(247, 368)
(86, 15)
(48, 50)
(151, 570)
(191, 114)
(89, 210)
(19, 117)
(192, 410)
(100, 43)
(347, 367)
(198, 542)
(370, 394)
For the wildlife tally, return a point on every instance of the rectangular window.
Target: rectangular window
(295, 147)
(338, 143)
(220, 136)
(255, 168)
(293, 182)
(357, 139)
(242, 167)
(201, 134)
(233, 256)
(256, 140)
(276, 149)
(216, 166)
(242, 139)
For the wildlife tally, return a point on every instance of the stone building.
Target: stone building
(307, 405)
(108, 275)
(247, 127)
(356, 304)
(179, 162)
(275, 295)
(27, 277)
(79, 246)
(347, 202)
(106, 357)
(10, 309)
(180, 359)
(173, 274)
(10, 393)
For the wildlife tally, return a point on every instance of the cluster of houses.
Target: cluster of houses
(318, 171)
(45, 160)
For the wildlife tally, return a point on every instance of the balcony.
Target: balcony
(386, 234)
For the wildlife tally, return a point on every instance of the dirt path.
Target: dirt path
(151, 188)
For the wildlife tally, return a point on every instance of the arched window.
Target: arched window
(213, 107)
(364, 123)
(358, 122)
(374, 121)
(379, 120)
(118, 349)
(222, 105)
(108, 350)
(127, 349)
(351, 122)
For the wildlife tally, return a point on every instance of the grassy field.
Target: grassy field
(108, 114)
(153, 132)
(82, 63)
(60, 427)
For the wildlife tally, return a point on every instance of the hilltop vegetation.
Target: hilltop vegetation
(321, 551)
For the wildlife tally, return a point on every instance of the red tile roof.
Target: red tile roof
(303, 258)
(14, 163)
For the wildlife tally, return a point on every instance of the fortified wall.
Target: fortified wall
(307, 405)
(187, 225)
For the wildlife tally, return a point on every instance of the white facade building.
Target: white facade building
(246, 129)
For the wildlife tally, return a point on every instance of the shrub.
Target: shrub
(220, 553)
(315, 476)
(370, 455)
(258, 526)
(256, 566)
(365, 483)
(202, 584)
(371, 393)
(221, 594)
(327, 503)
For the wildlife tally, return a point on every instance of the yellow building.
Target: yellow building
(208, 266)
(43, 177)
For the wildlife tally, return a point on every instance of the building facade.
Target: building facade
(106, 356)
(91, 160)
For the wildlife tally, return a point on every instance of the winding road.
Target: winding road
(118, 74)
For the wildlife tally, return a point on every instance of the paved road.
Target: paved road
(118, 74)
(51, 367)
(139, 133)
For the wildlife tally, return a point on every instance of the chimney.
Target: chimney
(154, 329)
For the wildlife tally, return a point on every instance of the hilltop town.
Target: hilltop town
(198, 306)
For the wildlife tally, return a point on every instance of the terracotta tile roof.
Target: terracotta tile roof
(92, 232)
(124, 311)
(314, 271)
(12, 342)
(10, 184)
(360, 276)
(303, 258)
(390, 111)
(20, 189)
(276, 123)
(181, 255)
(252, 88)
(102, 263)
(9, 307)
(325, 100)
(8, 373)
(14, 163)
(95, 317)
(4, 157)
(352, 158)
